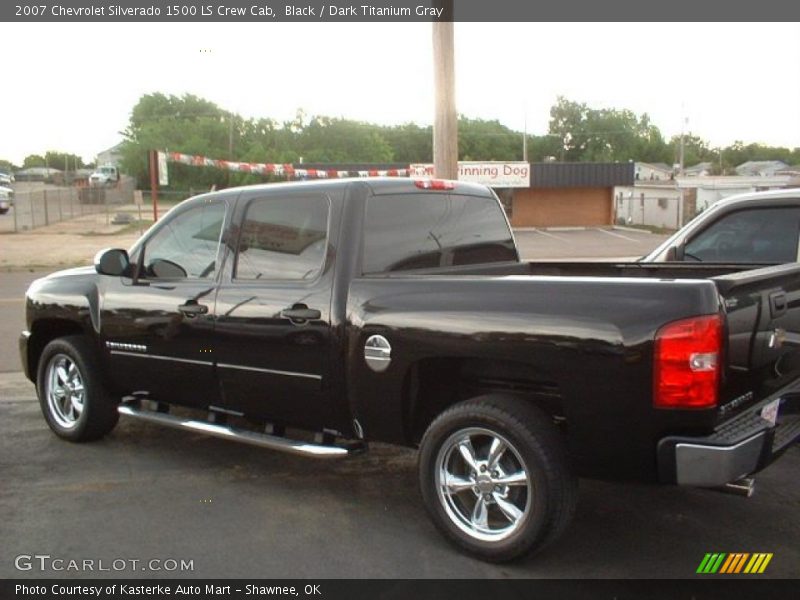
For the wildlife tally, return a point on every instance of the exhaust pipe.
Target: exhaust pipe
(742, 487)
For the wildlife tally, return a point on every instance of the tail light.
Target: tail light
(434, 184)
(687, 363)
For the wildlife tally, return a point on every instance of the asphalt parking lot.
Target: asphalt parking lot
(145, 493)
(586, 244)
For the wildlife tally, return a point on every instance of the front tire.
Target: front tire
(72, 396)
(495, 477)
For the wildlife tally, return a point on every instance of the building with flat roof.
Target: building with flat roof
(570, 194)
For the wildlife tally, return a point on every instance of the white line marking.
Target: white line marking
(619, 235)
(555, 237)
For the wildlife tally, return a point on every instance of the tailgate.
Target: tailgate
(763, 351)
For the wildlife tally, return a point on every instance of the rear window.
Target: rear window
(422, 231)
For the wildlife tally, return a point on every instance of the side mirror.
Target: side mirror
(672, 254)
(112, 261)
(166, 269)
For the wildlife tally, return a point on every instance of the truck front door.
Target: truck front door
(157, 330)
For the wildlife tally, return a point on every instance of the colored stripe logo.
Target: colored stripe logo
(734, 563)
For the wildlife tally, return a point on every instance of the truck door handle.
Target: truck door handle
(192, 309)
(777, 304)
(300, 313)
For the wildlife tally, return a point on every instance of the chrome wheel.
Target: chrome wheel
(65, 391)
(483, 484)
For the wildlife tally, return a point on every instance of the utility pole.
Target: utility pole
(682, 201)
(230, 146)
(684, 121)
(525, 139)
(445, 124)
(154, 183)
(230, 138)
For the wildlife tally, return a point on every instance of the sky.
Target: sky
(71, 86)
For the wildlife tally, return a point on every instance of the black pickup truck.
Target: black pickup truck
(315, 317)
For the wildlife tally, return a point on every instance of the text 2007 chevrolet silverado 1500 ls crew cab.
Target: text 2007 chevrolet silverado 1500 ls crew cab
(399, 311)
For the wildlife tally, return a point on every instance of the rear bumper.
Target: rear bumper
(737, 448)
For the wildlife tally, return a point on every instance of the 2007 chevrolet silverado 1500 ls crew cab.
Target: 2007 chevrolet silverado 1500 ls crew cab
(399, 311)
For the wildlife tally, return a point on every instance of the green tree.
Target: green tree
(63, 161)
(186, 124)
(410, 143)
(7, 166)
(695, 150)
(739, 152)
(543, 147)
(33, 160)
(614, 134)
(479, 139)
(608, 134)
(568, 121)
(576, 132)
(334, 140)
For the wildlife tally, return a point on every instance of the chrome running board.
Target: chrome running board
(264, 440)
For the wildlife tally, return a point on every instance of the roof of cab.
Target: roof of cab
(785, 193)
(377, 185)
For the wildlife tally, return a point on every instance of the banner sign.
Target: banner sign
(494, 174)
(285, 170)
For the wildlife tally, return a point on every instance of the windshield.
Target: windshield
(660, 252)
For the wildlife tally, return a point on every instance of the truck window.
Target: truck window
(186, 245)
(419, 231)
(283, 238)
(759, 235)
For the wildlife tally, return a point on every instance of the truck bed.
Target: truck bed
(589, 327)
(677, 270)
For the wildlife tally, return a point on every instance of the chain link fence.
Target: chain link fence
(46, 205)
(85, 209)
(656, 210)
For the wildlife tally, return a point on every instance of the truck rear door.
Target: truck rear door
(273, 324)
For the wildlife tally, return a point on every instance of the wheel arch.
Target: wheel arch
(432, 385)
(44, 331)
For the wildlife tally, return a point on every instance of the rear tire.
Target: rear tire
(495, 477)
(74, 401)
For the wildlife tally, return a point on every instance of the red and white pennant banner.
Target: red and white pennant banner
(286, 170)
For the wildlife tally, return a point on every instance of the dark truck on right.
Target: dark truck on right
(399, 311)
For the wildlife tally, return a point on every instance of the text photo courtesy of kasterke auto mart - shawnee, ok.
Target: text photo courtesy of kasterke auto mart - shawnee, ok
(421, 299)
